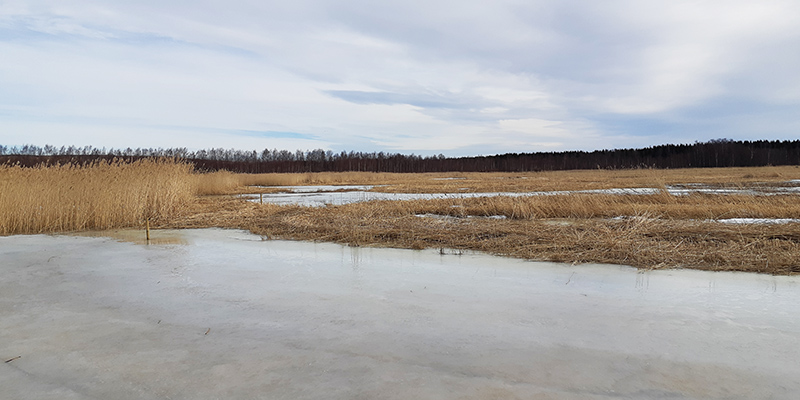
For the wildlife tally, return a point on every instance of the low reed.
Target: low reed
(658, 231)
(324, 178)
(103, 195)
(698, 206)
(459, 182)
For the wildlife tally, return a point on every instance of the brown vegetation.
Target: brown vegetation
(102, 195)
(219, 182)
(652, 239)
(663, 205)
(655, 231)
(457, 182)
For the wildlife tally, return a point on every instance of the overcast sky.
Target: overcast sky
(427, 77)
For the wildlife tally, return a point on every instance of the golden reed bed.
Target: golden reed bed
(529, 181)
(99, 196)
(656, 231)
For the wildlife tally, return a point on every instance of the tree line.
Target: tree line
(713, 153)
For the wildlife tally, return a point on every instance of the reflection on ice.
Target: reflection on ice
(157, 236)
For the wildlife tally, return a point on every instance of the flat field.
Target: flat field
(659, 229)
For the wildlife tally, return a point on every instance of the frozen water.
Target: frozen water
(757, 220)
(315, 196)
(229, 315)
(317, 199)
(736, 221)
(448, 217)
(321, 188)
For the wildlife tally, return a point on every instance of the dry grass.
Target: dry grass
(583, 206)
(325, 178)
(459, 182)
(99, 196)
(215, 183)
(648, 240)
(660, 230)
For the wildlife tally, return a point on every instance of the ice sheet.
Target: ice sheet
(229, 315)
(315, 196)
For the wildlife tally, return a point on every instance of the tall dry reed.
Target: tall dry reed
(219, 182)
(99, 196)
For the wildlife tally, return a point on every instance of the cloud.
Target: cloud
(424, 100)
(412, 76)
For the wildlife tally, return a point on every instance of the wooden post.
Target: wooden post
(261, 198)
(147, 230)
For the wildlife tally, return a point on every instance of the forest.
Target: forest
(713, 153)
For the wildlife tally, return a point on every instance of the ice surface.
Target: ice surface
(317, 199)
(229, 315)
(449, 217)
(321, 188)
(315, 196)
(757, 220)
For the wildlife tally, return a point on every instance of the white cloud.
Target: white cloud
(443, 76)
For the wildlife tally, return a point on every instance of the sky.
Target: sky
(458, 78)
